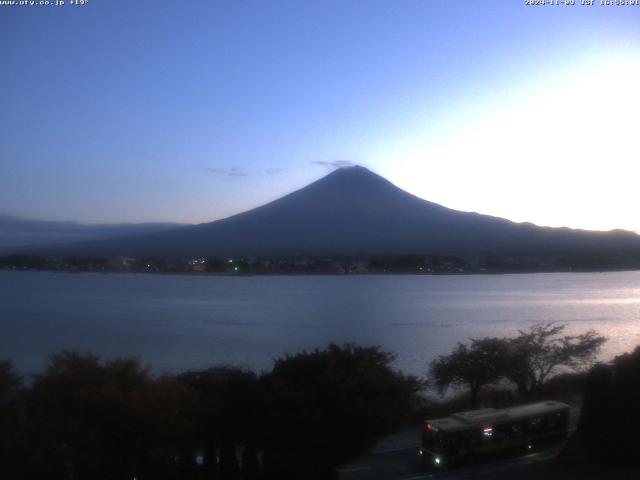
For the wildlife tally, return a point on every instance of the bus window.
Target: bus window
(556, 421)
(473, 439)
(502, 433)
(453, 441)
(534, 425)
(517, 430)
(564, 419)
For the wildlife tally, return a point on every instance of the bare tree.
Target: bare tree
(528, 360)
(537, 354)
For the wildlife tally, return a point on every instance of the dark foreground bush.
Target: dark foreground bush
(84, 418)
(610, 419)
(327, 407)
(104, 420)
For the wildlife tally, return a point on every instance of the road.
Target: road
(396, 458)
(404, 465)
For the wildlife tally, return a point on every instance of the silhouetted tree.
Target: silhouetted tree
(542, 351)
(104, 420)
(9, 379)
(610, 419)
(170, 445)
(11, 420)
(229, 414)
(476, 365)
(250, 465)
(326, 407)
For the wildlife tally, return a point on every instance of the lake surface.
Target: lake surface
(176, 322)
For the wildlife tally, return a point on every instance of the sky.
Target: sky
(190, 111)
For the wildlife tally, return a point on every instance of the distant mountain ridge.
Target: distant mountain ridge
(353, 211)
(17, 231)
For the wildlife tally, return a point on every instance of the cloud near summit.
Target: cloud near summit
(333, 163)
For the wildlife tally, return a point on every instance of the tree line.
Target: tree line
(331, 264)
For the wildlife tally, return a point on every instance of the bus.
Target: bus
(468, 436)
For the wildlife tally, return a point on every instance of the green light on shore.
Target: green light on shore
(236, 268)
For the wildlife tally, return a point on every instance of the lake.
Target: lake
(177, 322)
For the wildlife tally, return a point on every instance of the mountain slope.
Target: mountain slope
(354, 211)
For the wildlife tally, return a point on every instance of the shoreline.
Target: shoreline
(317, 274)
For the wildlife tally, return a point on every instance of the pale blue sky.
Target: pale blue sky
(193, 110)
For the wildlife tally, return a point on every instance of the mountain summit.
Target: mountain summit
(354, 211)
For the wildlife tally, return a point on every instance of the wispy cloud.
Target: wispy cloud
(274, 171)
(333, 163)
(229, 172)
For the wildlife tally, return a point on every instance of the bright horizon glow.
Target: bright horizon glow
(564, 153)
